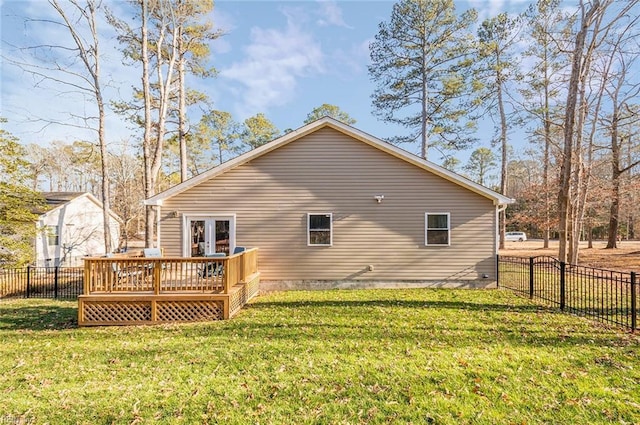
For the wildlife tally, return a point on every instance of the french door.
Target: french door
(210, 234)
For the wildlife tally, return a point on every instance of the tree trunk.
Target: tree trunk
(423, 125)
(106, 183)
(614, 211)
(547, 146)
(182, 108)
(149, 181)
(503, 144)
(564, 192)
(89, 54)
(106, 193)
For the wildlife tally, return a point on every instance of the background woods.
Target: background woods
(542, 106)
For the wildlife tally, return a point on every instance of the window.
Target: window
(52, 235)
(437, 229)
(319, 229)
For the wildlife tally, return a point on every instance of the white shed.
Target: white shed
(72, 228)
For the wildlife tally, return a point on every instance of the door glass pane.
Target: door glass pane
(197, 238)
(222, 236)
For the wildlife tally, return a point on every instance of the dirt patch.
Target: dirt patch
(624, 258)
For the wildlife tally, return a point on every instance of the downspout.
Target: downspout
(158, 215)
(499, 209)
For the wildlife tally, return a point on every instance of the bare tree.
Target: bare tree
(168, 43)
(151, 45)
(577, 69)
(596, 20)
(126, 173)
(193, 32)
(497, 38)
(541, 89)
(79, 20)
(621, 91)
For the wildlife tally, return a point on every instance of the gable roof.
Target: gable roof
(353, 132)
(57, 200)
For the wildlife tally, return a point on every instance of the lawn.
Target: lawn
(325, 357)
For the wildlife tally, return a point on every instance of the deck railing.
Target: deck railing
(109, 275)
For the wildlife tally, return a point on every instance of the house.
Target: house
(331, 206)
(72, 228)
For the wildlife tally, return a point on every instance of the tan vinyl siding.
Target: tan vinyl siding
(329, 172)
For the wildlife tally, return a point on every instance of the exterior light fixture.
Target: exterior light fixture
(378, 198)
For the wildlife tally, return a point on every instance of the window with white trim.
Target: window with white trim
(437, 229)
(53, 238)
(319, 229)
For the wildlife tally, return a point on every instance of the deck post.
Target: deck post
(226, 307)
(225, 276)
(154, 311)
(80, 312)
(157, 267)
(85, 279)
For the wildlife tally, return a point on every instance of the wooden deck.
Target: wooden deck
(138, 290)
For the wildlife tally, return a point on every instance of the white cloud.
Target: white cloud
(352, 62)
(225, 23)
(490, 8)
(330, 14)
(275, 60)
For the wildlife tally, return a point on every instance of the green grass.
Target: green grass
(332, 357)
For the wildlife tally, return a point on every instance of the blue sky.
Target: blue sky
(279, 58)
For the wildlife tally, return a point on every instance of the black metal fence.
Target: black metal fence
(41, 282)
(606, 295)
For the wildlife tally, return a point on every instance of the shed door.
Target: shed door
(207, 235)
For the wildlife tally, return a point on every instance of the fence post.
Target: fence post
(531, 277)
(28, 280)
(634, 301)
(497, 270)
(563, 269)
(55, 282)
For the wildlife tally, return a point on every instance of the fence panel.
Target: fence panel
(514, 274)
(41, 282)
(606, 295)
(546, 279)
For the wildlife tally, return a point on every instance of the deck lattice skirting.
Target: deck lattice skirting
(141, 291)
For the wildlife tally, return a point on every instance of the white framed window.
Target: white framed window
(437, 228)
(53, 238)
(319, 229)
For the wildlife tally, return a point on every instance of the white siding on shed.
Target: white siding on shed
(80, 233)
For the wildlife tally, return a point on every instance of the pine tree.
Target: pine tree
(421, 60)
(328, 110)
(18, 203)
